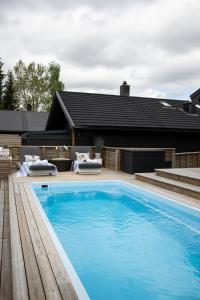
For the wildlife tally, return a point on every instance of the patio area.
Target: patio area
(31, 267)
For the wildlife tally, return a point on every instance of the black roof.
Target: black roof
(22, 121)
(195, 94)
(88, 110)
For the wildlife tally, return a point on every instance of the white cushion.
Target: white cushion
(28, 157)
(41, 162)
(36, 157)
(92, 161)
(31, 157)
(82, 156)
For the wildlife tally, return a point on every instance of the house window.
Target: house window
(165, 103)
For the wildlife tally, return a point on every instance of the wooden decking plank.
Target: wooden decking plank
(1, 219)
(34, 281)
(61, 275)
(6, 223)
(20, 289)
(1, 207)
(6, 272)
(50, 285)
(6, 267)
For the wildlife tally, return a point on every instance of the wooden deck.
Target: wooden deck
(5, 250)
(183, 181)
(189, 175)
(30, 266)
(37, 270)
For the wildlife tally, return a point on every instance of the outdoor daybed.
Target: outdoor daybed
(31, 165)
(86, 167)
(83, 164)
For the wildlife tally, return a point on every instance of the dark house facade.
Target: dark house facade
(126, 121)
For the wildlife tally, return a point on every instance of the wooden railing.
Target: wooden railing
(187, 160)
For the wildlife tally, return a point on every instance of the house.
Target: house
(126, 121)
(13, 124)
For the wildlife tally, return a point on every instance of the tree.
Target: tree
(54, 84)
(35, 84)
(2, 76)
(9, 99)
(30, 84)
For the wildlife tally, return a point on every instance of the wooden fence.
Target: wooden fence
(111, 156)
(187, 160)
(10, 140)
(46, 152)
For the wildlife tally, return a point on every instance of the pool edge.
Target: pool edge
(75, 280)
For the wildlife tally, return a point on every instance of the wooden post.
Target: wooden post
(107, 157)
(117, 159)
(188, 160)
(43, 152)
(173, 159)
(73, 137)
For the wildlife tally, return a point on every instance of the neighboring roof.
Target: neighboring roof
(22, 121)
(111, 111)
(195, 94)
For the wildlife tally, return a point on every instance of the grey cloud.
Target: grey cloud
(181, 36)
(101, 43)
(177, 71)
(63, 4)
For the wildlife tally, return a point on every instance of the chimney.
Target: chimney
(29, 107)
(188, 107)
(124, 89)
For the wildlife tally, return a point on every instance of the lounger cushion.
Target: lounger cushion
(89, 166)
(41, 168)
(82, 156)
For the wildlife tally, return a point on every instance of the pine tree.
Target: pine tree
(9, 100)
(2, 76)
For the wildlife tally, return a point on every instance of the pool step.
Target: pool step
(170, 184)
(183, 175)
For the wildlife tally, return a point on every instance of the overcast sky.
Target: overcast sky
(153, 44)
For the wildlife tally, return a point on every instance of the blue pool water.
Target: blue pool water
(124, 242)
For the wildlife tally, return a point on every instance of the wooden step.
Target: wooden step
(170, 184)
(182, 175)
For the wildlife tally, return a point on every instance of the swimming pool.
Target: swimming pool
(125, 242)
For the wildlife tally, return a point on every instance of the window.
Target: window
(165, 103)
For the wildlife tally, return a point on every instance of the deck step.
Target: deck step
(170, 184)
(182, 175)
